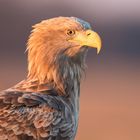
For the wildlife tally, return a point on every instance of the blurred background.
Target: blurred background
(110, 91)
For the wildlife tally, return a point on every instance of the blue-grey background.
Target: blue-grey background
(110, 92)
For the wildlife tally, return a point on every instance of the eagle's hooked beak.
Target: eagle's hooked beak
(88, 38)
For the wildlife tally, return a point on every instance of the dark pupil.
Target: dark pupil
(70, 32)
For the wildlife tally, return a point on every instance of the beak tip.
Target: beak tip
(98, 50)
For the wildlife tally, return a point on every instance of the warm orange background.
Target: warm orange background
(110, 91)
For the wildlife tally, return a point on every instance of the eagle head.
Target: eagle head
(56, 43)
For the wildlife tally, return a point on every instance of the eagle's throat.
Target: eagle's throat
(61, 71)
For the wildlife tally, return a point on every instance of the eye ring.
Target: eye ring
(70, 32)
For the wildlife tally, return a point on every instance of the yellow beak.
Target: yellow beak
(88, 38)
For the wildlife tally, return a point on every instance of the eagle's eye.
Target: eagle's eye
(70, 32)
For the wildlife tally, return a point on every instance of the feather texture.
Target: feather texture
(37, 115)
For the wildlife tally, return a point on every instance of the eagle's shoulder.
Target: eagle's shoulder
(32, 114)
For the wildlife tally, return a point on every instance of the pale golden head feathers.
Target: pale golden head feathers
(57, 40)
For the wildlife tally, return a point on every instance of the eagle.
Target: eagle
(45, 105)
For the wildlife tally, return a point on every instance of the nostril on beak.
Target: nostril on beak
(88, 34)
